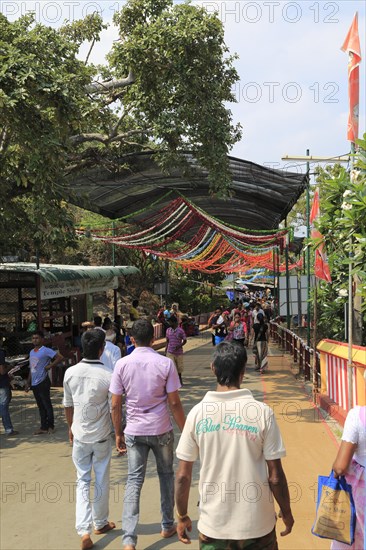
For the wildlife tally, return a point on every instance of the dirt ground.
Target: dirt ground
(38, 477)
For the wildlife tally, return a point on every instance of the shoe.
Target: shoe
(51, 430)
(86, 542)
(40, 432)
(169, 533)
(13, 432)
(257, 368)
(107, 527)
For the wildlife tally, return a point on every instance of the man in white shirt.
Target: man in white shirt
(111, 352)
(257, 309)
(86, 393)
(240, 448)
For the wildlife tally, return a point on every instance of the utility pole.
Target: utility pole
(339, 159)
(115, 295)
(307, 158)
(288, 316)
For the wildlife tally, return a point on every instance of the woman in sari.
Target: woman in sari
(260, 347)
(351, 462)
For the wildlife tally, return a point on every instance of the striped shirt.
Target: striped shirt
(175, 339)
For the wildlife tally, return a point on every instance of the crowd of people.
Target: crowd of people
(147, 384)
(246, 324)
(135, 395)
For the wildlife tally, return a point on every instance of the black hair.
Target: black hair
(143, 332)
(135, 303)
(173, 320)
(38, 333)
(107, 323)
(98, 321)
(260, 318)
(229, 360)
(92, 341)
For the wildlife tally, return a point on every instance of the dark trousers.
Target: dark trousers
(268, 542)
(43, 398)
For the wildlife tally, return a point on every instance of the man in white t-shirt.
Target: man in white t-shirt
(111, 352)
(87, 410)
(240, 449)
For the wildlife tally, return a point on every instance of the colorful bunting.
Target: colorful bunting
(214, 246)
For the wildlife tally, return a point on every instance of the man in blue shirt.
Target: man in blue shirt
(41, 360)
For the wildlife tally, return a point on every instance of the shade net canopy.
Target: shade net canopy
(261, 196)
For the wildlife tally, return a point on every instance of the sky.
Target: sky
(292, 93)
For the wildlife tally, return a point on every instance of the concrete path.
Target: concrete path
(38, 477)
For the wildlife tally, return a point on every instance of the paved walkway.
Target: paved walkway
(37, 474)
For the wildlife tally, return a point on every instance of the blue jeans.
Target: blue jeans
(5, 398)
(88, 456)
(138, 447)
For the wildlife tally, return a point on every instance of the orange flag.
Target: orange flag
(352, 46)
(321, 267)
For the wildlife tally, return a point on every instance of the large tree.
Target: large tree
(163, 88)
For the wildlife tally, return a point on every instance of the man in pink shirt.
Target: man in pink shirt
(150, 384)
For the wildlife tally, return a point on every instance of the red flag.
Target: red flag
(352, 46)
(315, 211)
(321, 267)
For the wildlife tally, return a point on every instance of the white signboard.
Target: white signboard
(298, 294)
(60, 289)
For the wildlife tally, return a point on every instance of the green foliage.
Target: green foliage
(55, 124)
(41, 102)
(183, 77)
(343, 224)
(196, 292)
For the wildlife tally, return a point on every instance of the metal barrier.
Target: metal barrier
(302, 354)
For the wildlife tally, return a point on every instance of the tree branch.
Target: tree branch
(135, 144)
(82, 138)
(121, 137)
(106, 87)
(106, 139)
(4, 139)
(89, 52)
(112, 98)
(118, 123)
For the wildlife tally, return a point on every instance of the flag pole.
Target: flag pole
(288, 315)
(351, 45)
(308, 247)
(350, 328)
(350, 309)
(315, 317)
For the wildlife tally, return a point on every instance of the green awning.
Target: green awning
(55, 272)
